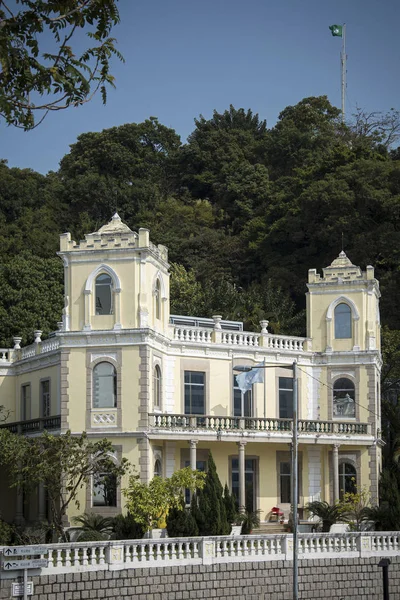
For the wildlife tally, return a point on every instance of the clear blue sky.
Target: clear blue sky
(186, 57)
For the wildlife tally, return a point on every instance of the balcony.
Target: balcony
(34, 425)
(213, 424)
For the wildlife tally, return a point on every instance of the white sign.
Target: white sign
(10, 551)
(18, 589)
(35, 563)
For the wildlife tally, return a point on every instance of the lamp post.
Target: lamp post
(295, 464)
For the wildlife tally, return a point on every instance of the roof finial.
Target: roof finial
(342, 243)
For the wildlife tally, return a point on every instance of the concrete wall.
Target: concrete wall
(337, 579)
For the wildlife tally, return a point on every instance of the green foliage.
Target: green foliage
(37, 59)
(63, 464)
(94, 527)
(231, 511)
(327, 513)
(31, 291)
(250, 520)
(210, 513)
(126, 528)
(6, 533)
(354, 507)
(150, 503)
(181, 523)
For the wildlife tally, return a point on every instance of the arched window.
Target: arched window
(344, 398)
(347, 479)
(342, 321)
(157, 299)
(104, 386)
(157, 387)
(103, 295)
(157, 468)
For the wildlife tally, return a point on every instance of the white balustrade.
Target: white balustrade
(50, 345)
(240, 338)
(284, 343)
(192, 334)
(114, 555)
(5, 354)
(28, 351)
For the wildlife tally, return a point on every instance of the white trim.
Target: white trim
(159, 276)
(342, 300)
(102, 269)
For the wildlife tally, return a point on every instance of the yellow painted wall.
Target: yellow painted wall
(77, 390)
(34, 378)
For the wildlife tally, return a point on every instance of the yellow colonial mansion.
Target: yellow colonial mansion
(163, 387)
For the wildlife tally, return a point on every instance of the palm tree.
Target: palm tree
(94, 527)
(329, 514)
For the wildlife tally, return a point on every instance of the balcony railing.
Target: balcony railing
(213, 423)
(34, 425)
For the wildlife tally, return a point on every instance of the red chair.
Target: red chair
(276, 513)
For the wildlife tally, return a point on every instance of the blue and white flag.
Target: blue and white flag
(245, 380)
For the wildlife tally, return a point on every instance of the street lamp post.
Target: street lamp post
(295, 463)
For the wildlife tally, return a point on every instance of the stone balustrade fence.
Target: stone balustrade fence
(131, 554)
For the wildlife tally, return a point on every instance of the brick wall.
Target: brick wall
(338, 579)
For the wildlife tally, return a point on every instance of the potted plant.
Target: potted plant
(327, 513)
(250, 520)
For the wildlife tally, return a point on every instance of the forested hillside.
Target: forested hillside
(244, 210)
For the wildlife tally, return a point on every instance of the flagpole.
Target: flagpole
(343, 59)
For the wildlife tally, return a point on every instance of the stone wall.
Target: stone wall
(338, 579)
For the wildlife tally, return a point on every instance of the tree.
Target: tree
(211, 514)
(31, 291)
(62, 464)
(40, 70)
(223, 162)
(125, 168)
(149, 503)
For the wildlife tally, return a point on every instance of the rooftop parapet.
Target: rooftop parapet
(341, 269)
(113, 235)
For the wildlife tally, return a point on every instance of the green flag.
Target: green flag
(336, 30)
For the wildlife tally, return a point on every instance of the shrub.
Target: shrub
(126, 528)
(180, 523)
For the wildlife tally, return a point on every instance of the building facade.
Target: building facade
(163, 387)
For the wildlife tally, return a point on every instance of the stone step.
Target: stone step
(270, 528)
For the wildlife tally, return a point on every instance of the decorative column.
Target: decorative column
(242, 486)
(117, 308)
(356, 340)
(335, 455)
(88, 298)
(328, 334)
(193, 457)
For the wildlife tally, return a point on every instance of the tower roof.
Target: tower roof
(114, 226)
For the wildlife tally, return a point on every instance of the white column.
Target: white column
(193, 457)
(356, 333)
(335, 455)
(117, 308)
(242, 487)
(329, 334)
(88, 298)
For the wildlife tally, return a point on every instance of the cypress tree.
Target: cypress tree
(209, 512)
